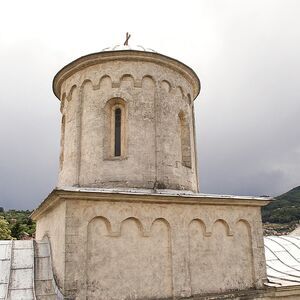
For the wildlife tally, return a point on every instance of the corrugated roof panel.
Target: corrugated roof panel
(269, 254)
(283, 265)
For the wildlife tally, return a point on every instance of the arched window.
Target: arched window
(118, 132)
(115, 129)
(185, 138)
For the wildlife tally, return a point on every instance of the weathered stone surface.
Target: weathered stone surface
(156, 96)
(152, 246)
(55, 223)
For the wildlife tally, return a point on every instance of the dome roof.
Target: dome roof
(128, 47)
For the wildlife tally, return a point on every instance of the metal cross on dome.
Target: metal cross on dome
(127, 38)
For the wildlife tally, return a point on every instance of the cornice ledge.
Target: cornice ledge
(58, 195)
(127, 55)
(50, 202)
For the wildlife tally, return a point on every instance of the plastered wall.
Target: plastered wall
(153, 97)
(52, 225)
(116, 249)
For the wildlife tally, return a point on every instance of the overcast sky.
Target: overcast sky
(245, 52)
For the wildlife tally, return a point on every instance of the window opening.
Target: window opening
(185, 141)
(118, 116)
(62, 141)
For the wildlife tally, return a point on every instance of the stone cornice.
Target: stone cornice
(125, 55)
(58, 195)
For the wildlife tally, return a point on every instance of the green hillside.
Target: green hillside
(16, 224)
(284, 209)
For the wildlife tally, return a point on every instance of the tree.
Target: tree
(5, 233)
(16, 231)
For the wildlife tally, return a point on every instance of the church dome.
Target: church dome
(128, 47)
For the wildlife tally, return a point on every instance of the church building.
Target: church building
(127, 220)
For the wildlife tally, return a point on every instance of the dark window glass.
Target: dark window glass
(118, 132)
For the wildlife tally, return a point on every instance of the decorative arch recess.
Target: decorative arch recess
(62, 102)
(226, 226)
(185, 139)
(189, 99)
(148, 81)
(180, 91)
(105, 82)
(166, 85)
(230, 253)
(115, 138)
(144, 261)
(127, 80)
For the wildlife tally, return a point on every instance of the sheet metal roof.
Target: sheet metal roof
(283, 259)
(165, 192)
(17, 270)
(26, 271)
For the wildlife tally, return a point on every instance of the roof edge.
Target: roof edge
(148, 196)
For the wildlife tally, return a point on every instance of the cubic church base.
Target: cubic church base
(146, 244)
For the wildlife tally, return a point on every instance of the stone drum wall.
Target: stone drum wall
(153, 96)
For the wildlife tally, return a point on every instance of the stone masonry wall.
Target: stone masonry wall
(52, 226)
(159, 250)
(154, 96)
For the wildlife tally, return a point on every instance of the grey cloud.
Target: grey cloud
(246, 54)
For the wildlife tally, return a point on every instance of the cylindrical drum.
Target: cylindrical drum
(127, 122)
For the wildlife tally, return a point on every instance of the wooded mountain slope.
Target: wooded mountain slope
(284, 209)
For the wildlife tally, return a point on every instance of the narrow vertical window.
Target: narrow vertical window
(62, 141)
(185, 138)
(118, 116)
(115, 142)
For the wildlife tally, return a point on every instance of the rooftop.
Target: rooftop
(283, 259)
(26, 268)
